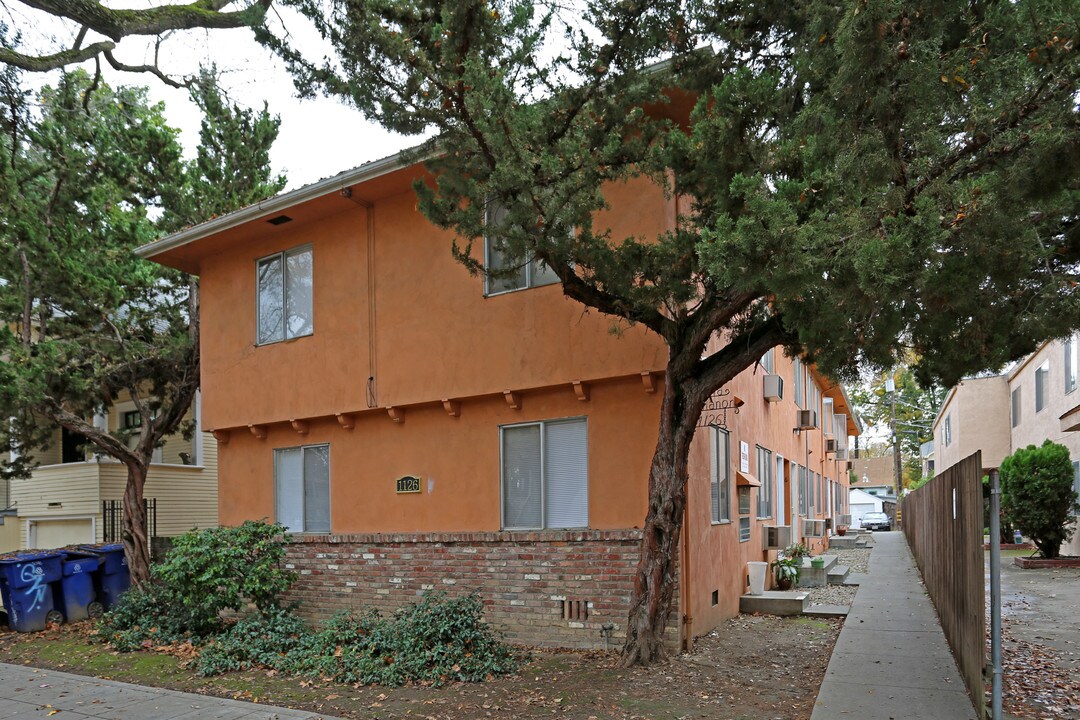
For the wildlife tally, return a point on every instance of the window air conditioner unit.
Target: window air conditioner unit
(813, 528)
(776, 537)
(844, 520)
(807, 419)
(841, 453)
(773, 388)
(830, 445)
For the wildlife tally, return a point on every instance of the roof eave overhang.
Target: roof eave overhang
(273, 205)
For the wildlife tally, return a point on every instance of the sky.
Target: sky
(318, 138)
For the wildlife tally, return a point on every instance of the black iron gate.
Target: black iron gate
(112, 520)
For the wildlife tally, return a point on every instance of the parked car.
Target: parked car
(876, 521)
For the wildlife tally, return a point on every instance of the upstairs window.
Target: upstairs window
(285, 296)
(947, 432)
(768, 362)
(1070, 364)
(1042, 386)
(545, 475)
(1016, 406)
(519, 274)
(797, 376)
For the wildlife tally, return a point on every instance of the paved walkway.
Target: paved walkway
(32, 693)
(891, 659)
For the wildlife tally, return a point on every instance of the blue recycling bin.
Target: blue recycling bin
(112, 578)
(76, 595)
(26, 588)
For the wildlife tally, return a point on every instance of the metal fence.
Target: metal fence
(112, 520)
(943, 522)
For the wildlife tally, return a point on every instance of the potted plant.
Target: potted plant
(817, 562)
(795, 551)
(786, 572)
(841, 530)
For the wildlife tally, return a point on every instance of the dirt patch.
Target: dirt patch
(1041, 642)
(750, 667)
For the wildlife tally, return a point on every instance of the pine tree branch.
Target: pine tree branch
(152, 69)
(45, 63)
(116, 24)
(119, 23)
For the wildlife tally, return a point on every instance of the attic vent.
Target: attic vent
(279, 220)
(576, 610)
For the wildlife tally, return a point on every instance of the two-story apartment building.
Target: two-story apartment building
(417, 428)
(1035, 401)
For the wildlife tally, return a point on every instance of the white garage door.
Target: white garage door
(47, 534)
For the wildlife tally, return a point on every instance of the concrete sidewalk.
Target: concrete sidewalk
(891, 659)
(30, 693)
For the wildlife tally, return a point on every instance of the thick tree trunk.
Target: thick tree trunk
(136, 539)
(655, 579)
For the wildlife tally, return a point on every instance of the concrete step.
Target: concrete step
(774, 602)
(838, 574)
(844, 543)
(810, 576)
(826, 611)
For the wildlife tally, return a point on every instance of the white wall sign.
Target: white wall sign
(744, 457)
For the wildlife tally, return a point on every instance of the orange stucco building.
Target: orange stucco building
(419, 429)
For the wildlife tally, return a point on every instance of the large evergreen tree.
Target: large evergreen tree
(859, 178)
(82, 320)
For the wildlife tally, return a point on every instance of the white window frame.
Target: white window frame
(1076, 481)
(797, 377)
(543, 472)
(489, 237)
(1042, 386)
(720, 476)
(804, 497)
(768, 361)
(764, 458)
(1070, 364)
(284, 256)
(303, 480)
(946, 433)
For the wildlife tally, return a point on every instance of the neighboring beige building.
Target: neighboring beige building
(974, 416)
(1037, 400)
(875, 475)
(64, 500)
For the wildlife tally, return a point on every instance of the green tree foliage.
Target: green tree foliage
(855, 179)
(911, 407)
(1037, 495)
(84, 322)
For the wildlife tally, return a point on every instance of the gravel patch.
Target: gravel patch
(857, 559)
(832, 595)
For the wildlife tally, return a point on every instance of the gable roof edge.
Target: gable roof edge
(336, 183)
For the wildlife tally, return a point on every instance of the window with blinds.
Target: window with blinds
(765, 477)
(721, 476)
(545, 476)
(302, 488)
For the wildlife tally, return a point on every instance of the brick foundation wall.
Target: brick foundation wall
(551, 588)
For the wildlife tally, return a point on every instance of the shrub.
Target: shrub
(205, 573)
(1037, 495)
(146, 617)
(258, 640)
(435, 641)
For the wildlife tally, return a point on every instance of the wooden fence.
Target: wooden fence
(943, 522)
